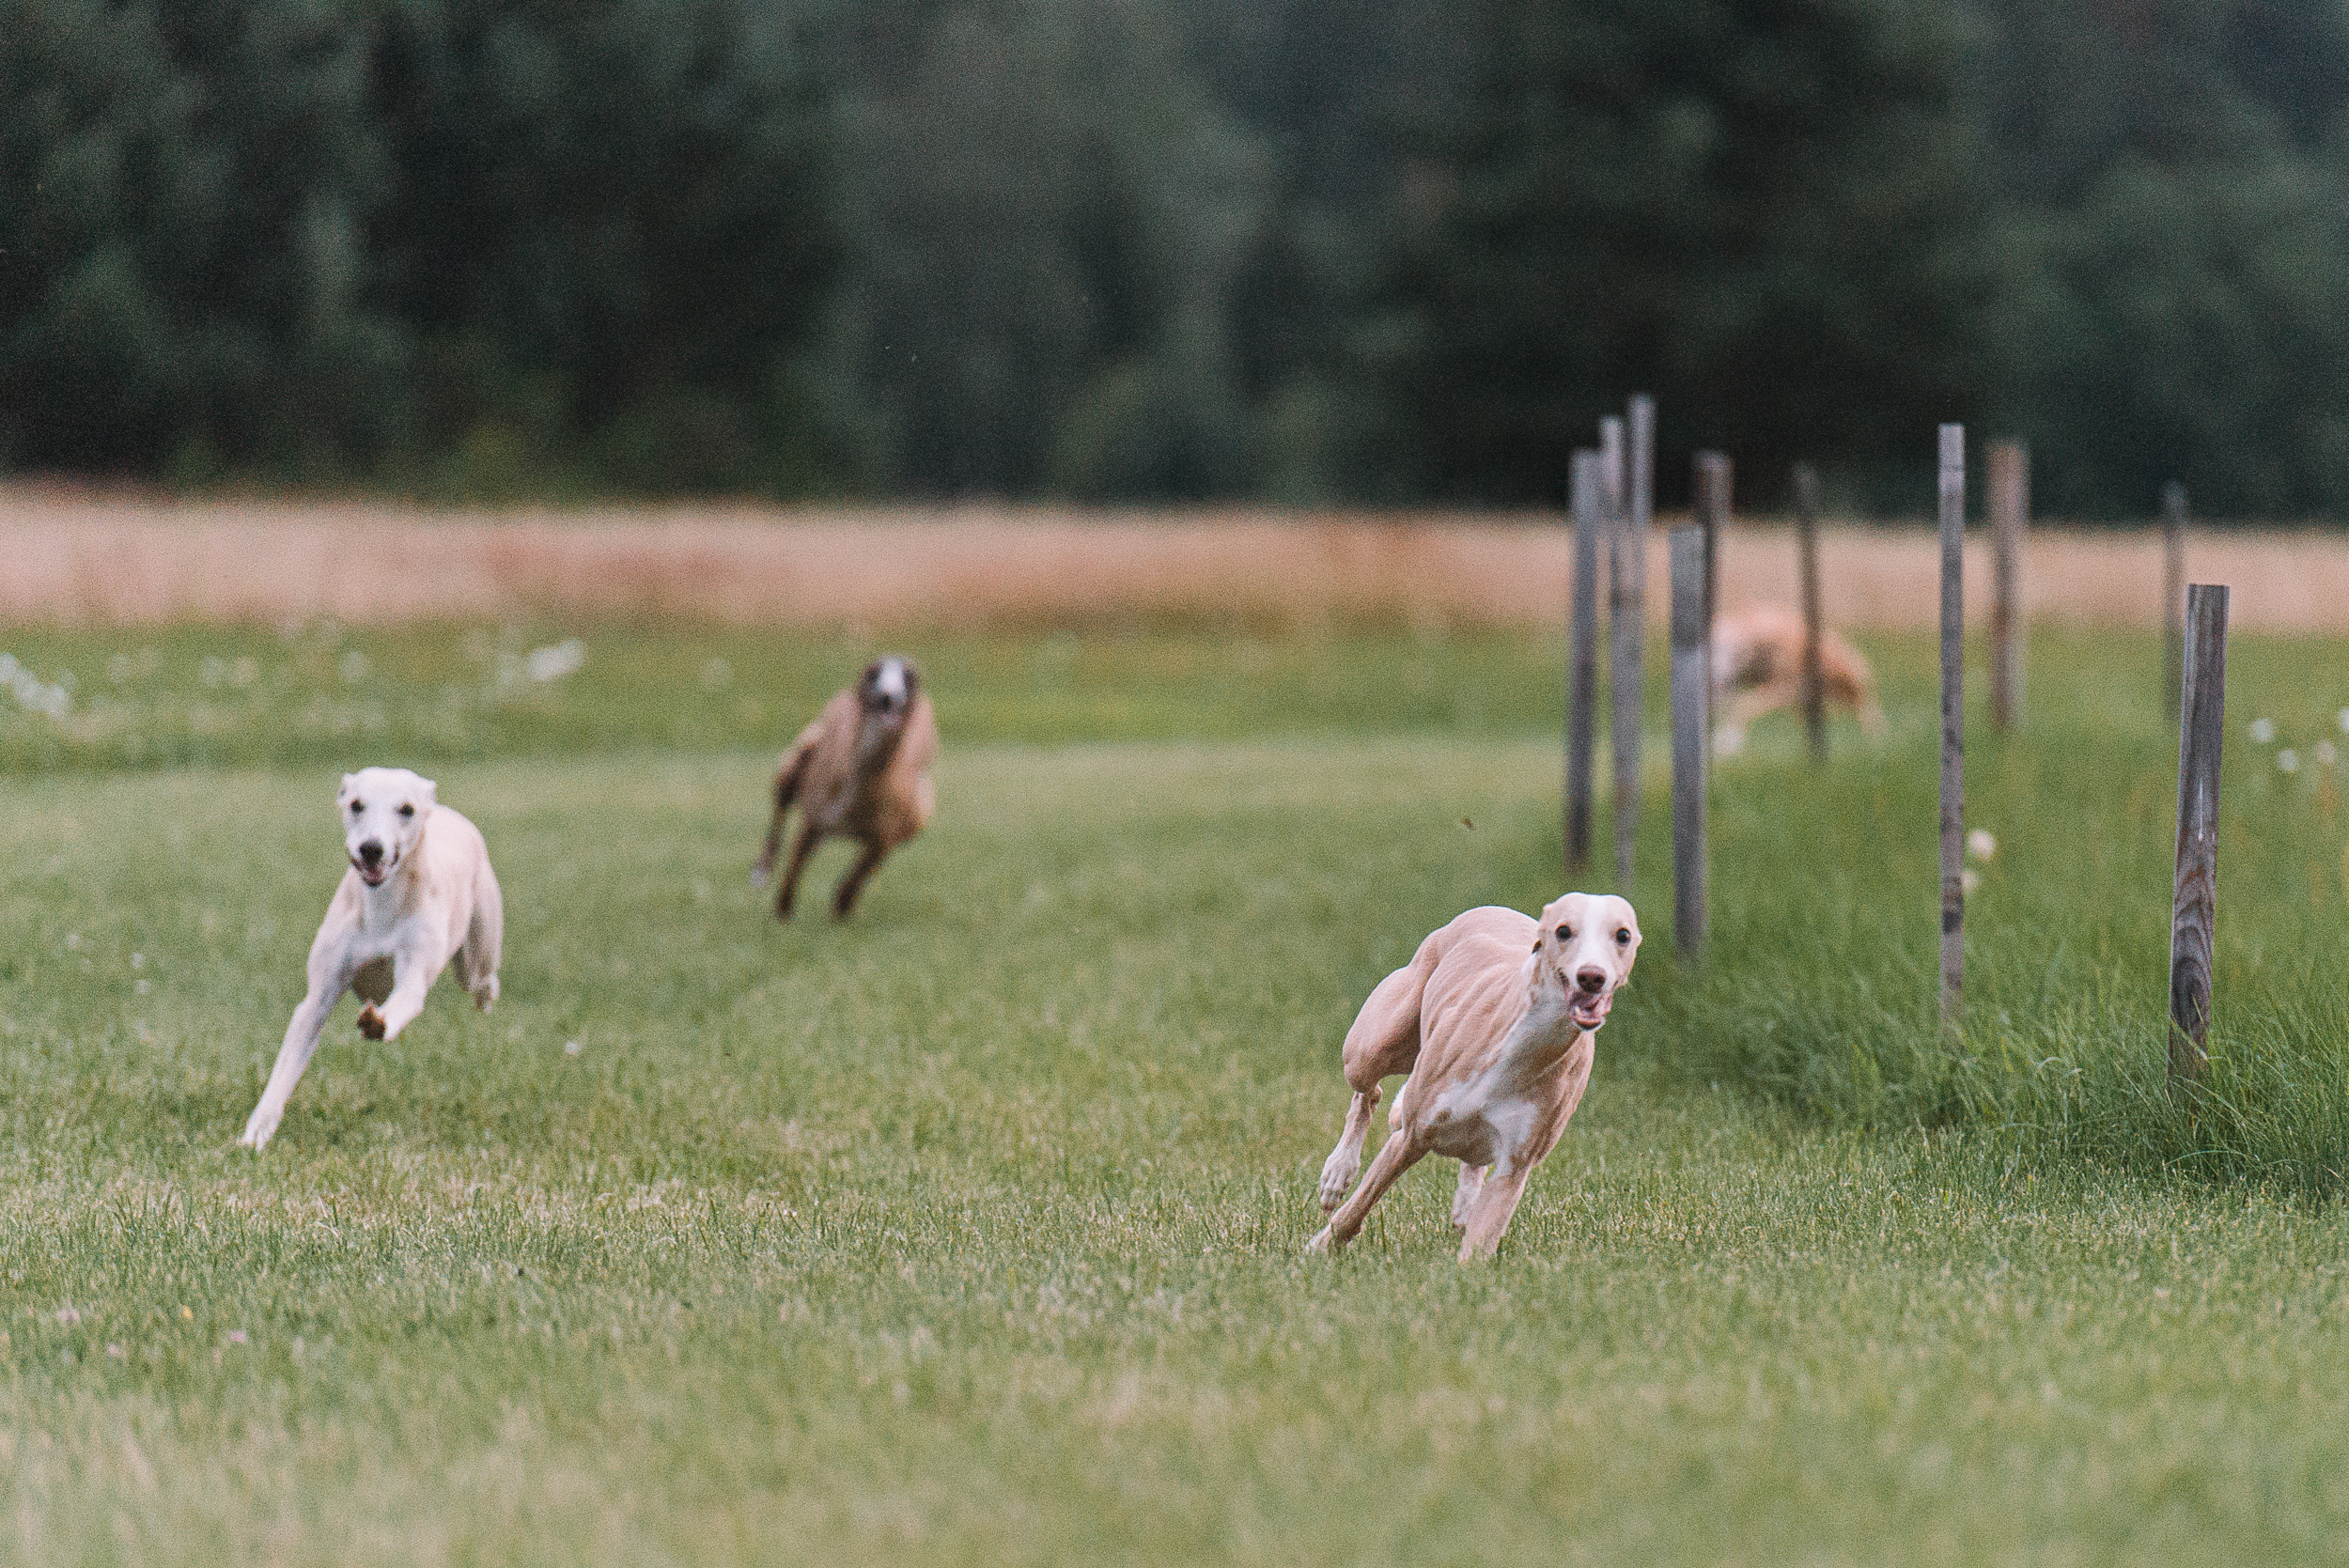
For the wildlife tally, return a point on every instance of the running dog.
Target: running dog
(1498, 1042)
(418, 893)
(1757, 668)
(861, 770)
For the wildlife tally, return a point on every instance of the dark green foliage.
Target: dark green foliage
(323, 239)
(1301, 250)
(1769, 214)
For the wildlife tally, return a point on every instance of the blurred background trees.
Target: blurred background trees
(1303, 250)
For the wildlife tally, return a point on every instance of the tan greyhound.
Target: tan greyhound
(1495, 1018)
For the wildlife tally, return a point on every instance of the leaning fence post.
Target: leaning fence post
(1692, 694)
(2172, 582)
(1582, 657)
(2193, 911)
(1807, 566)
(1952, 718)
(2010, 510)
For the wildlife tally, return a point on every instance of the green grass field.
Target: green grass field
(970, 1232)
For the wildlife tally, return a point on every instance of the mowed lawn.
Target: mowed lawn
(971, 1232)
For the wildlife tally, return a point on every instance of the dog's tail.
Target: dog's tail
(787, 779)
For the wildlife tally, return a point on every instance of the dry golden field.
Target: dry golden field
(84, 558)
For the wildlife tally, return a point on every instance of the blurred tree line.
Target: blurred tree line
(1304, 251)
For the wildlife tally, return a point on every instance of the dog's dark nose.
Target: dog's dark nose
(370, 851)
(1590, 977)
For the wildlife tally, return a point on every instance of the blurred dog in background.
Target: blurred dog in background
(861, 770)
(1757, 668)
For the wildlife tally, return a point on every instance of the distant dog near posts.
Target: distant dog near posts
(417, 895)
(861, 770)
(1757, 668)
(1496, 1020)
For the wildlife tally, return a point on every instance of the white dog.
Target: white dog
(1499, 1044)
(419, 892)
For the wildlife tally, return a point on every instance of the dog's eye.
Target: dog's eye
(1623, 934)
(406, 811)
(1566, 933)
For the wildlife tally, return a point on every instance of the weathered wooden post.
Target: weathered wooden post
(1806, 568)
(2010, 513)
(1589, 522)
(1714, 472)
(1628, 619)
(2194, 903)
(1691, 720)
(2172, 582)
(1952, 719)
(1710, 496)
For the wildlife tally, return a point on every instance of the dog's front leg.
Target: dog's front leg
(1397, 1155)
(1490, 1215)
(411, 982)
(301, 1041)
(1464, 1196)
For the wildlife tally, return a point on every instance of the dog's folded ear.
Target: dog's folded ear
(431, 796)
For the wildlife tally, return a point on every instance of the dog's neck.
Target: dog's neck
(877, 738)
(1547, 1031)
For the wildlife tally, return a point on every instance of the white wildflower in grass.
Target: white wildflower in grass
(556, 660)
(354, 667)
(717, 674)
(2325, 755)
(2287, 761)
(1968, 880)
(2262, 730)
(34, 694)
(570, 1047)
(1980, 844)
(245, 672)
(213, 671)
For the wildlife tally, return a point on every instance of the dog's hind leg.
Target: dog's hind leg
(1464, 1196)
(1382, 1041)
(476, 961)
(1490, 1215)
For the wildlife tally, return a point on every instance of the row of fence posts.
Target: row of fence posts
(1612, 494)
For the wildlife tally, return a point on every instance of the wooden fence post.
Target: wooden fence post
(1589, 522)
(1952, 719)
(1627, 621)
(2194, 902)
(1691, 676)
(1711, 505)
(1807, 568)
(2010, 513)
(2172, 583)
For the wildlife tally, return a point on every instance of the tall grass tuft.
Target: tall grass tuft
(1822, 995)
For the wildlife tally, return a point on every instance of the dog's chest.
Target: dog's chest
(1499, 1105)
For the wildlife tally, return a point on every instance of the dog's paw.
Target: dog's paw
(486, 996)
(370, 1022)
(257, 1131)
(1337, 1180)
(1320, 1242)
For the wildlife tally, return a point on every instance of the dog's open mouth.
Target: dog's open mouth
(372, 874)
(1588, 1011)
